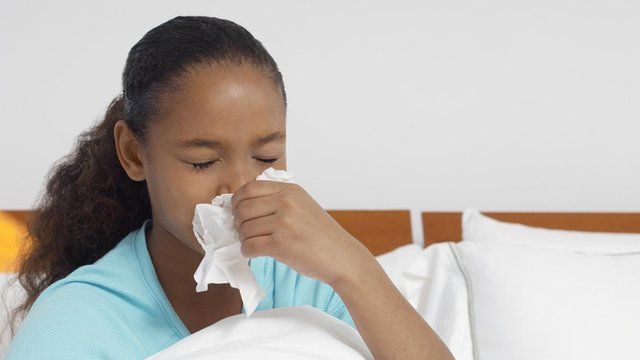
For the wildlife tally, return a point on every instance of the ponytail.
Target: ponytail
(89, 204)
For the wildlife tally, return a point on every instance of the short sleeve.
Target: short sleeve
(338, 309)
(286, 287)
(73, 326)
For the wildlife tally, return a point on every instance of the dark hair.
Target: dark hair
(89, 203)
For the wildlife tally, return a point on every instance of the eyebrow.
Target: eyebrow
(214, 144)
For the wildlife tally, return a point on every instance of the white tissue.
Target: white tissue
(223, 262)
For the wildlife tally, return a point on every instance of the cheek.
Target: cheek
(174, 194)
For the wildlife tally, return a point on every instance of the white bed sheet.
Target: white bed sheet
(297, 332)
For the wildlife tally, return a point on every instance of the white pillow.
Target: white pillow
(478, 227)
(296, 332)
(10, 296)
(435, 286)
(397, 260)
(532, 302)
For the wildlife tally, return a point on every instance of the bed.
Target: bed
(382, 231)
(580, 267)
(446, 226)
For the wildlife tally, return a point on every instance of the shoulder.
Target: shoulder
(286, 287)
(73, 322)
(114, 279)
(100, 310)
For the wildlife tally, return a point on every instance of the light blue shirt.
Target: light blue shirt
(116, 308)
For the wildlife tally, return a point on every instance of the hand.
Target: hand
(281, 220)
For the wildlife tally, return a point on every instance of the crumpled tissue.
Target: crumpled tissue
(223, 262)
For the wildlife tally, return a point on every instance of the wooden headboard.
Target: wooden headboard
(379, 230)
(446, 226)
(384, 230)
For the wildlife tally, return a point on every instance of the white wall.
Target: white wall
(435, 105)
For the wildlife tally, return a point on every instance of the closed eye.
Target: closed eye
(267, 160)
(208, 164)
(202, 166)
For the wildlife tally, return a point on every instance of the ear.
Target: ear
(129, 150)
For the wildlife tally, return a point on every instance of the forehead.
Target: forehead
(226, 103)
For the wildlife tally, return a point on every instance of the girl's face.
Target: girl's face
(220, 132)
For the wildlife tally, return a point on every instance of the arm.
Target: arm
(389, 325)
(283, 221)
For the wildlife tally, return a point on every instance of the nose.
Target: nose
(235, 176)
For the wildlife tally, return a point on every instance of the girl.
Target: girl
(109, 273)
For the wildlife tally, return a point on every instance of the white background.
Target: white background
(425, 105)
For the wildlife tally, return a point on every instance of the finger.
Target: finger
(261, 226)
(254, 208)
(255, 188)
(257, 246)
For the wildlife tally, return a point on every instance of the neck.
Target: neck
(175, 263)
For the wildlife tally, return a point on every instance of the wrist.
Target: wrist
(360, 269)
